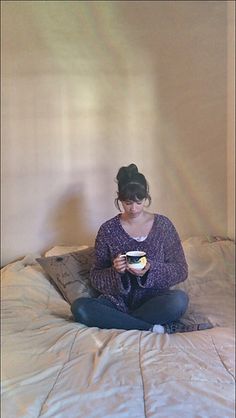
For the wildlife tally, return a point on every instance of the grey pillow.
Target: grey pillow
(70, 273)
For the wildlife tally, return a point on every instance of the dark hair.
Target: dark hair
(132, 185)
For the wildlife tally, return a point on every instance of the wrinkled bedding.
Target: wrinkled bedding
(53, 367)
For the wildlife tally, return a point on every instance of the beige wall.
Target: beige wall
(231, 119)
(90, 86)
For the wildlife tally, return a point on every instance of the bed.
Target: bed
(54, 367)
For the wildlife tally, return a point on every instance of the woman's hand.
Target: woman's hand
(119, 264)
(139, 273)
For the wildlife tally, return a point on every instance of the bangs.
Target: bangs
(134, 192)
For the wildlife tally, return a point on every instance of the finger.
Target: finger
(121, 257)
(119, 260)
(147, 267)
(121, 266)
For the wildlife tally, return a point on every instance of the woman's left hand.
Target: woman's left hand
(139, 273)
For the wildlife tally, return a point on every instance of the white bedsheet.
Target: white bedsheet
(53, 367)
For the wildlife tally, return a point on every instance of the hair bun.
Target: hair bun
(126, 174)
(132, 170)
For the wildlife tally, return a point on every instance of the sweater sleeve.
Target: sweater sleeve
(170, 271)
(103, 276)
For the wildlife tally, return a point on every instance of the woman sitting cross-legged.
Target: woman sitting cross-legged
(131, 298)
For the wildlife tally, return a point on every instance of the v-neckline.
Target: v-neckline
(129, 236)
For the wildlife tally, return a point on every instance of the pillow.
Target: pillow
(210, 280)
(70, 273)
(64, 249)
(208, 258)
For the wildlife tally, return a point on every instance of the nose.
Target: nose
(133, 207)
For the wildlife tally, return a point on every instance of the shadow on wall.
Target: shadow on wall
(68, 224)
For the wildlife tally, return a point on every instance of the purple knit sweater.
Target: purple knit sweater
(164, 253)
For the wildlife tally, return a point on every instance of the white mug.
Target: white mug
(135, 259)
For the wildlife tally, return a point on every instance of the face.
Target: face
(133, 209)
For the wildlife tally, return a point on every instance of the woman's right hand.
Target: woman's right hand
(119, 263)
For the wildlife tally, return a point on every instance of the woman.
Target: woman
(129, 298)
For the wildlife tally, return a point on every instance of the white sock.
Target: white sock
(158, 329)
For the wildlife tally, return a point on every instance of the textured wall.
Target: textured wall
(90, 86)
(231, 119)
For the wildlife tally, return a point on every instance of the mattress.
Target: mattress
(54, 367)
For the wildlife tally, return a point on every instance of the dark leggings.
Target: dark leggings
(162, 309)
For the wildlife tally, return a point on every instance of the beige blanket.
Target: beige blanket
(53, 367)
